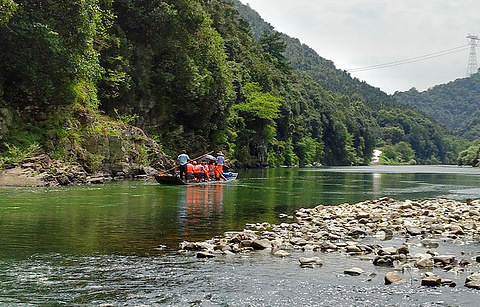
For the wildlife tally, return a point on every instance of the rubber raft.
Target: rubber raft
(175, 180)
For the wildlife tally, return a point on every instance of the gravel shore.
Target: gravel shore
(346, 229)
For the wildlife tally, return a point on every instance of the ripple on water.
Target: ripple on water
(174, 280)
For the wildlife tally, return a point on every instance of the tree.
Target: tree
(273, 45)
(7, 9)
(258, 113)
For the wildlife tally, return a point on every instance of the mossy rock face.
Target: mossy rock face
(128, 145)
(111, 148)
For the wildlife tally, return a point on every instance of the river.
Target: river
(116, 244)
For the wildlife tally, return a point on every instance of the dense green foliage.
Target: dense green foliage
(49, 55)
(455, 104)
(470, 156)
(191, 74)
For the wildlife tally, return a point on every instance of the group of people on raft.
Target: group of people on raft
(200, 171)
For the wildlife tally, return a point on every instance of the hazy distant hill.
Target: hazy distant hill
(455, 104)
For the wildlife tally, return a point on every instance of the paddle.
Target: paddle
(168, 170)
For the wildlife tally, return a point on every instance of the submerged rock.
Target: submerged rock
(281, 253)
(310, 262)
(354, 271)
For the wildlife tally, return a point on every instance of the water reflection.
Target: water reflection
(200, 208)
(376, 183)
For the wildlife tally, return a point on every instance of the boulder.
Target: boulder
(443, 260)
(414, 231)
(449, 282)
(196, 246)
(474, 213)
(455, 229)
(464, 262)
(310, 262)
(355, 233)
(424, 261)
(436, 228)
(352, 249)
(328, 245)
(403, 250)
(431, 281)
(473, 281)
(384, 261)
(387, 251)
(261, 244)
(429, 243)
(388, 233)
(393, 278)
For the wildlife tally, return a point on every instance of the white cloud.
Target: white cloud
(359, 33)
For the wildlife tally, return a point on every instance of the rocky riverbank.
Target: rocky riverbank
(41, 171)
(347, 229)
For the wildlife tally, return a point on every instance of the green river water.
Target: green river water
(115, 244)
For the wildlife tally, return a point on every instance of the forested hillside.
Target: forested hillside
(456, 104)
(78, 77)
(404, 133)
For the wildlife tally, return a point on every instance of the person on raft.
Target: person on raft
(182, 160)
(220, 160)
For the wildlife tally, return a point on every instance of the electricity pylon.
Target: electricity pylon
(472, 60)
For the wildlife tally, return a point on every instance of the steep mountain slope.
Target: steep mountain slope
(322, 70)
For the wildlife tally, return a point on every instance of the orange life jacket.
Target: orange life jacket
(189, 168)
(216, 172)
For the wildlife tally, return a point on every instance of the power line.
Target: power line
(411, 60)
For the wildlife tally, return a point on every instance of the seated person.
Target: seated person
(190, 170)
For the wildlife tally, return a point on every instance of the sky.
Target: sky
(430, 35)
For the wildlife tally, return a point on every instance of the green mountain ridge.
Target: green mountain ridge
(455, 104)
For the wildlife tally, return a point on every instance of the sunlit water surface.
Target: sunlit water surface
(115, 244)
